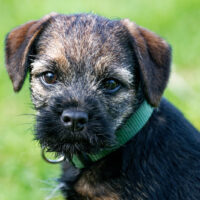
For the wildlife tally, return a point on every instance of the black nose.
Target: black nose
(74, 120)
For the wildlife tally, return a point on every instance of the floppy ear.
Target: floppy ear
(154, 59)
(17, 47)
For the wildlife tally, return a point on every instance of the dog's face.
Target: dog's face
(87, 74)
(82, 83)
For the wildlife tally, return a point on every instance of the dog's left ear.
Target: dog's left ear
(154, 59)
(17, 48)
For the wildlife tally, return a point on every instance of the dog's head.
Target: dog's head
(87, 75)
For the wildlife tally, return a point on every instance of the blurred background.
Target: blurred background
(23, 174)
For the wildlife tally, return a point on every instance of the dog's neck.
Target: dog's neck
(133, 125)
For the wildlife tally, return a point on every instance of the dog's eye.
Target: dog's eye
(111, 85)
(49, 78)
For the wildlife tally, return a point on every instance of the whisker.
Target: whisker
(54, 191)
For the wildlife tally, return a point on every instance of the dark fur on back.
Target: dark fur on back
(165, 157)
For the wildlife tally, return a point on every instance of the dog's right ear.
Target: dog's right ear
(18, 44)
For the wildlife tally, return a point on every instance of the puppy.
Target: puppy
(97, 86)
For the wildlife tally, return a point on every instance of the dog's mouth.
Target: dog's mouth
(76, 145)
(55, 137)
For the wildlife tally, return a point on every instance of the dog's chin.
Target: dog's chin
(69, 148)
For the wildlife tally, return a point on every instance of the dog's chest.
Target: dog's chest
(90, 189)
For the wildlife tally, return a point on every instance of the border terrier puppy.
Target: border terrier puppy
(96, 85)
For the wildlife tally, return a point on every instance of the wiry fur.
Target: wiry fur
(81, 70)
(52, 134)
(161, 161)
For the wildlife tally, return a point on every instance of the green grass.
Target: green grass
(23, 174)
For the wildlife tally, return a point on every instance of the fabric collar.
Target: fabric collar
(133, 125)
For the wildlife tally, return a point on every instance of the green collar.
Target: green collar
(133, 125)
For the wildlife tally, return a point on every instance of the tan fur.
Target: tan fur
(133, 28)
(18, 44)
(86, 48)
(93, 190)
(154, 57)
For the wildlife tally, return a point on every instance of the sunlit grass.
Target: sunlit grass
(23, 174)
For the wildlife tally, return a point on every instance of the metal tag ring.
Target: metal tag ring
(59, 160)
